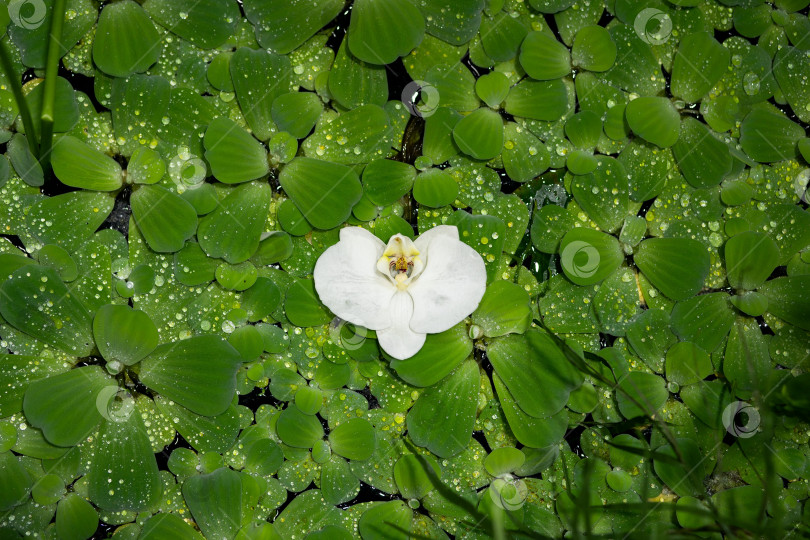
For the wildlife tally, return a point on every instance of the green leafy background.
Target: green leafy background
(633, 174)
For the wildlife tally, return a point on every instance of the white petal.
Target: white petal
(348, 283)
(449, 288)
(423, 242)
(398, 340)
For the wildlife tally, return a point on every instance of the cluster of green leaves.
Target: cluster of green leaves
(648, 268)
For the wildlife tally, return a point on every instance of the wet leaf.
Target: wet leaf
(126, 41)
(199, 373)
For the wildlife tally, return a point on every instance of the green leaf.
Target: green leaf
(684, 478)
(357, 136)
(215, 501)
(676, 266)
(261, 299)
(437, 358)
(259, 78)
(501, 35)
(699, 63)
(236, 277)
(323, 191)
(35, 301)
(126, 41)
(543, 57)
(454, 21)
(704, 160)
(480, 134)
(78, 165)
(205, 23)
(434, 188)
(204, 433)
(162, 526)
(70, 219)
(485, 234)
(524, 155)
(412, 476)
(687, 363)
(164, 219)
(768, 135)
(704, 320)
(353, 82)
(442, 418)
(353, 439)
(593, 49)
(297, 429)
(654, 119)
(199, 373)
(750, 259)
(385, 181)
(380, 31)
(25, 164)
(76, 519)
(528, 430)
(31, 38)
(233, 230)
(145, 166)
(275, 246)
(588, 256)
(603, 193)
(17, 371)
(538, 100)
(234, 155)
(747, 363)
(505, 459)
(338, 485)
(192, 266)
(302, 305)
(526, 363)
(66, 110)
(297, 112)
(650, 337)
(504, 309)
(123, 473)
(66, 407)
(645, 388)
(387, 521)
(283, 27)
(789, 299)
(16, 481)
(124, 334)
(492, 88)
(789, 66)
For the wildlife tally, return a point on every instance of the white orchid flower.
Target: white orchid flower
(404, 290)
